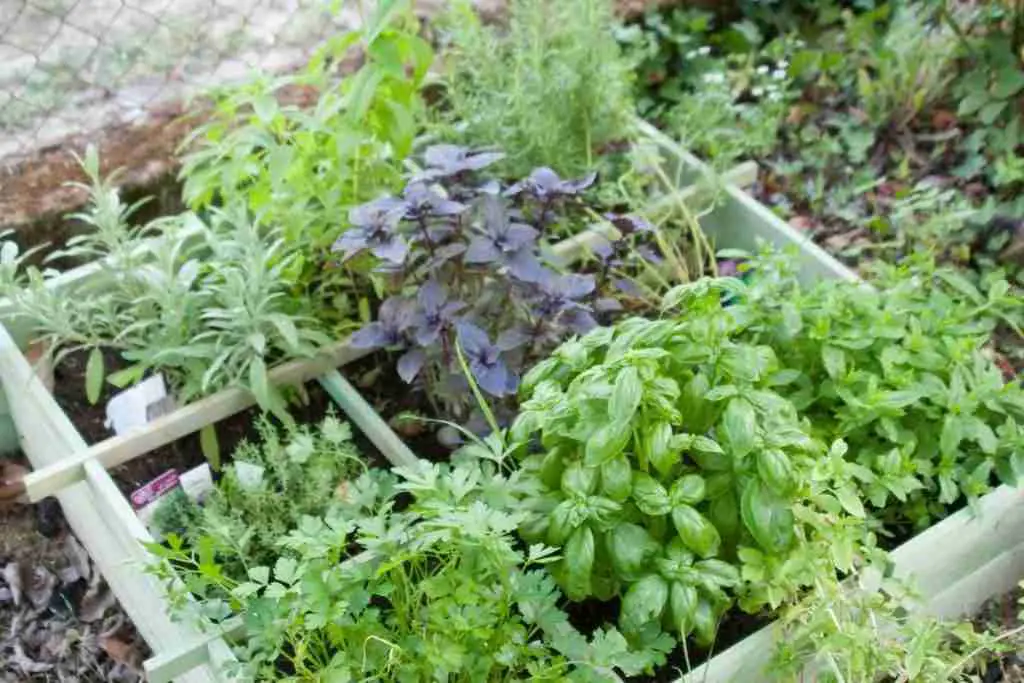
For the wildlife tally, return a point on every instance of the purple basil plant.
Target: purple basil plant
(463, 256)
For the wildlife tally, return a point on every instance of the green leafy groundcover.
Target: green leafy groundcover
(760, 437)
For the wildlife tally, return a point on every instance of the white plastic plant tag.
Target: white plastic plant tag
(130, 409)
(197, 482)
(250, 476)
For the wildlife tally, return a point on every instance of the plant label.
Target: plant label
(135, 407)
(154, 489)
(197, 482)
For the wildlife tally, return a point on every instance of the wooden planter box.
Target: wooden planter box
(958, 563)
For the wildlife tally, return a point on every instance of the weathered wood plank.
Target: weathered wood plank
(95, 510)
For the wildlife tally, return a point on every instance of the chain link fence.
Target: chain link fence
(75, 67)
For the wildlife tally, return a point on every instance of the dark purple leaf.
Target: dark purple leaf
(543, 183)
(373, 336)
(473, 340)
(422, 201)
(431, 296)
(627, 286)
(393, 250)
(444, 254)
(482, 250)
(484, 360)
(628, 224)
(578, 320)
(518, 236)
(512, 338)
(374, 227)
(583, 183)
(449, 160)
(607, 305)
(648, 253)
(525, 266)
(602, 248)
(410, 364)
(574, 286)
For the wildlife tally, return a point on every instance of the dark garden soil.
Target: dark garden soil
(186, 453)
(1002, 615)
(589, 615)
(58, 619)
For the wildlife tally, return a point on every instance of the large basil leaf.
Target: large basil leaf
(767, 517)
(562, 521)
(650, 496)
(579, 479)
(696, 532)
(607, 442)
(657, 447)
(716, 573)
(682, 607)
(617, 478)
(705, 622)
(644, 602)
(724, 513)
(697, 411)
(626, 395)
(579, 562)
(775, 470)
(552, 467)
(739, 426)
(630, 548)
(688, 490)
(534, 528)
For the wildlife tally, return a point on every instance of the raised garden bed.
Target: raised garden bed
(958, 563)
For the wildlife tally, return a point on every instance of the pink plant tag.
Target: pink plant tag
(145, 495)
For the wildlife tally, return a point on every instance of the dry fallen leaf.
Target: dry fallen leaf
(96, 601)
(12, 577)
(121, 651)
(77, 557)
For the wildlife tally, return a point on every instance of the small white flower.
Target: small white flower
(713, 78)
(783, 63)
(774, 96)
(704, 51)
(757, 91)
(763, 69)
(779, 74)
(691, 54)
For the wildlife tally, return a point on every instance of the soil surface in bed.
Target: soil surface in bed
(185, 453)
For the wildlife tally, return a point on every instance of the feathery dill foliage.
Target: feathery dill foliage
(548, 90)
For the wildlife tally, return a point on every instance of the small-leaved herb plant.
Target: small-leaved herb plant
(671, 472)
(903, 372)
(288, 473)
(552, 89)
